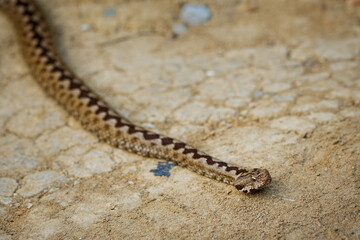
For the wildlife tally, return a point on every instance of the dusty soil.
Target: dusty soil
(268, 83)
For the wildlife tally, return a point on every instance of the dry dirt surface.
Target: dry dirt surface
(267, 83)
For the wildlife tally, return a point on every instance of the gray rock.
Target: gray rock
(195, 14)
(179, 29)
(109, 12)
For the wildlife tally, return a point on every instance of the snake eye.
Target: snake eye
(239, 187)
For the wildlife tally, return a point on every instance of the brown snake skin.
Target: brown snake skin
(97, 117)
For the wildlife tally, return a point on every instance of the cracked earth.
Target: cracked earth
(272, 84)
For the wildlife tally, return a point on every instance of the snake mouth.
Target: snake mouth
(251, 191)
(246, 190)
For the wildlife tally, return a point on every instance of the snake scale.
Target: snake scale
(96, 116)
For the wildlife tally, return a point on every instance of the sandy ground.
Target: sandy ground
(271, 83)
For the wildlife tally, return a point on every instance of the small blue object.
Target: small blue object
(109, 12)
(195, 14)
(310, 63)
(163, 168)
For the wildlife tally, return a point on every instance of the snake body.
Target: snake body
(97, 117)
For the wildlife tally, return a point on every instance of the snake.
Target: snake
(96, 116)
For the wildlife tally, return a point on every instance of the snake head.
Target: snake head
(252, 180)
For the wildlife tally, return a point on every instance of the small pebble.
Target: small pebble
(179, 29)
(310, 63)
(195, 14)
(210, 73)
(85, 27)
(109, 12)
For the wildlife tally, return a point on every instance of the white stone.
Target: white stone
(195, 14)
(210, 73)
(179, 29)
(85, 27)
